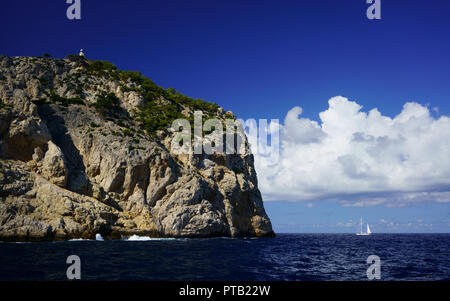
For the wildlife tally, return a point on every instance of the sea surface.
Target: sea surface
(313, 257)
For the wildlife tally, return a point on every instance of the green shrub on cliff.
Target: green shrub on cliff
(107, 103)
(65, 102)
(78, 59)
(4, 105)
(44, 81)
(100, 67)
(154, 114)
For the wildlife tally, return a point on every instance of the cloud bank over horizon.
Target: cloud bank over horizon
(358, 158)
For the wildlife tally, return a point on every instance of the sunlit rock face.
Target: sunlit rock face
(72, 167)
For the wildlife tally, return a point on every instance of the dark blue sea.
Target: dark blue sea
(316, 257)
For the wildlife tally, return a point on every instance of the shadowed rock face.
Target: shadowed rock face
(71, 171)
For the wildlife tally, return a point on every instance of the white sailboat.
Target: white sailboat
(368, 232)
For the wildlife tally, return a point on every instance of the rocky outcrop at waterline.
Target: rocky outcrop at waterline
(84, 149)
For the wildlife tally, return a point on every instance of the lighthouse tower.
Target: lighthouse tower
(81, 53)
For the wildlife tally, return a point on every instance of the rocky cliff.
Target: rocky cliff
(85, 149)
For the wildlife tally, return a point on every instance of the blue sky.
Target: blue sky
(262, 58)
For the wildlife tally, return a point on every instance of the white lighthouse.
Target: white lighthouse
(81, 53)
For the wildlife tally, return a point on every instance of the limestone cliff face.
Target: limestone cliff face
(72, 166)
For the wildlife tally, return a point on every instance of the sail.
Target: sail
(368, 229)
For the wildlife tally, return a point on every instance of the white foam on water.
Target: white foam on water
(147, 238)
(98, 237)
(138, 238)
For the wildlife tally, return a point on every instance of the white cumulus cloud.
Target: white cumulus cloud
(360, 158)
